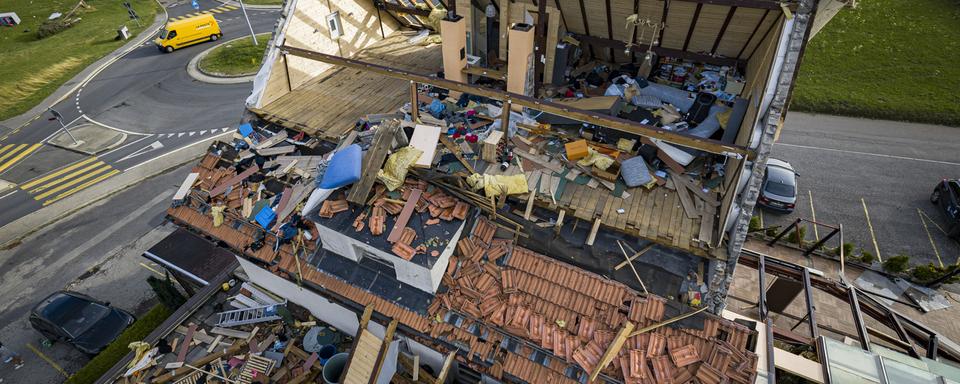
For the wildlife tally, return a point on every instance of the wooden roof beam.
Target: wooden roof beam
(758, 4)
(611, 122)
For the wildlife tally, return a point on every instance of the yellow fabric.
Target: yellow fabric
(596, 159)
(724, 118)
(394, 170)
(139, 349)
(495, 185)
(217, 212)
(626, 144)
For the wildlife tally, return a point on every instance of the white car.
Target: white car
(779, 190)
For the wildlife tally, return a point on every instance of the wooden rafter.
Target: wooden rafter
(723, 29)
(616, 44)
(764, 38)
(693, 26)
(752, 33)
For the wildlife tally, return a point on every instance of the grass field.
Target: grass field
(887, 59)
(237, 57)
(31, 68)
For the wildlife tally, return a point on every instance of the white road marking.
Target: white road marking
(203, 132)
(126, 145)
(192, 133)
(152, 147)
(870, 154)
(180, 134)
(171, 152)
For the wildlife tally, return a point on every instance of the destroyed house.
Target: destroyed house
(530, 189)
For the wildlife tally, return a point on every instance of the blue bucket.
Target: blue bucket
(326, 352)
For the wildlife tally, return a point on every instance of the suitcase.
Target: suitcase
(701, 108)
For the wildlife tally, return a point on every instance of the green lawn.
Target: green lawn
(31, 68)
(237, 57)
(887, 59)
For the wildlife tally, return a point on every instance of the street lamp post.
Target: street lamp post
(252, 35)
(59, 118)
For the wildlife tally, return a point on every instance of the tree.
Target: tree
(166, 292)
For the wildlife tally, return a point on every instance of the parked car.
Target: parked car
(79, 320)
(947, 197)
(779, 189)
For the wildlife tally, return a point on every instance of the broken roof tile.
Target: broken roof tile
(685, 355)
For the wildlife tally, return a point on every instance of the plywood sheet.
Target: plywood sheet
(425, 138)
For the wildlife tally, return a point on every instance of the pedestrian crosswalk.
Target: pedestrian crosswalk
(217, 10)
(11, 154)
(68, 180)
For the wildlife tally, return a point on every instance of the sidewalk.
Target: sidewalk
(831, 313)
(77, 81)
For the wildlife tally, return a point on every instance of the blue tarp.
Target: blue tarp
(343, 169)
(266, 217)
(245, 129)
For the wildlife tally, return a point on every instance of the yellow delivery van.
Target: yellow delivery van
(192, 30)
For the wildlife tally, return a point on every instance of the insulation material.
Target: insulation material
(495, 185)
(395, 168)
(596, 159)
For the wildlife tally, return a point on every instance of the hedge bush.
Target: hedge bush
(101, 363)
(896, 264)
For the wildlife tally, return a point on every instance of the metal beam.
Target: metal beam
(902, 334)
(619, 45)
(811, 307)
(762, 305)
(933, 344)
(858, 319)
(615, 123)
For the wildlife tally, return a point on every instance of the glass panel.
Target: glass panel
(849, 362)
(943, 369)
(895, 355)
(898, 372)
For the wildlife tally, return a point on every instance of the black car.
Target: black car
(947, 197)
(79, 320)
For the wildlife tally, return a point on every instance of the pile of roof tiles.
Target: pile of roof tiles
(571, 315)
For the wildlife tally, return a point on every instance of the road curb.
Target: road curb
(81, 79)
(19, 229)
(193, 68)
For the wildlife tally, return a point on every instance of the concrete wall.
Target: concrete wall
(331, 313)
(422, 278)
(307, 28)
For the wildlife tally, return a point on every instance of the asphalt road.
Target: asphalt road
(146, 94)
(96, 252)
(890, 168)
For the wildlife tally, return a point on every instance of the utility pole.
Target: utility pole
(59, 118)
(252, 35)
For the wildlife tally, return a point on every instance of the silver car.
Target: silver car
(779, 190)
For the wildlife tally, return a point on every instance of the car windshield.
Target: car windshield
(780, 189)
(74, 315)
(162, 34)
